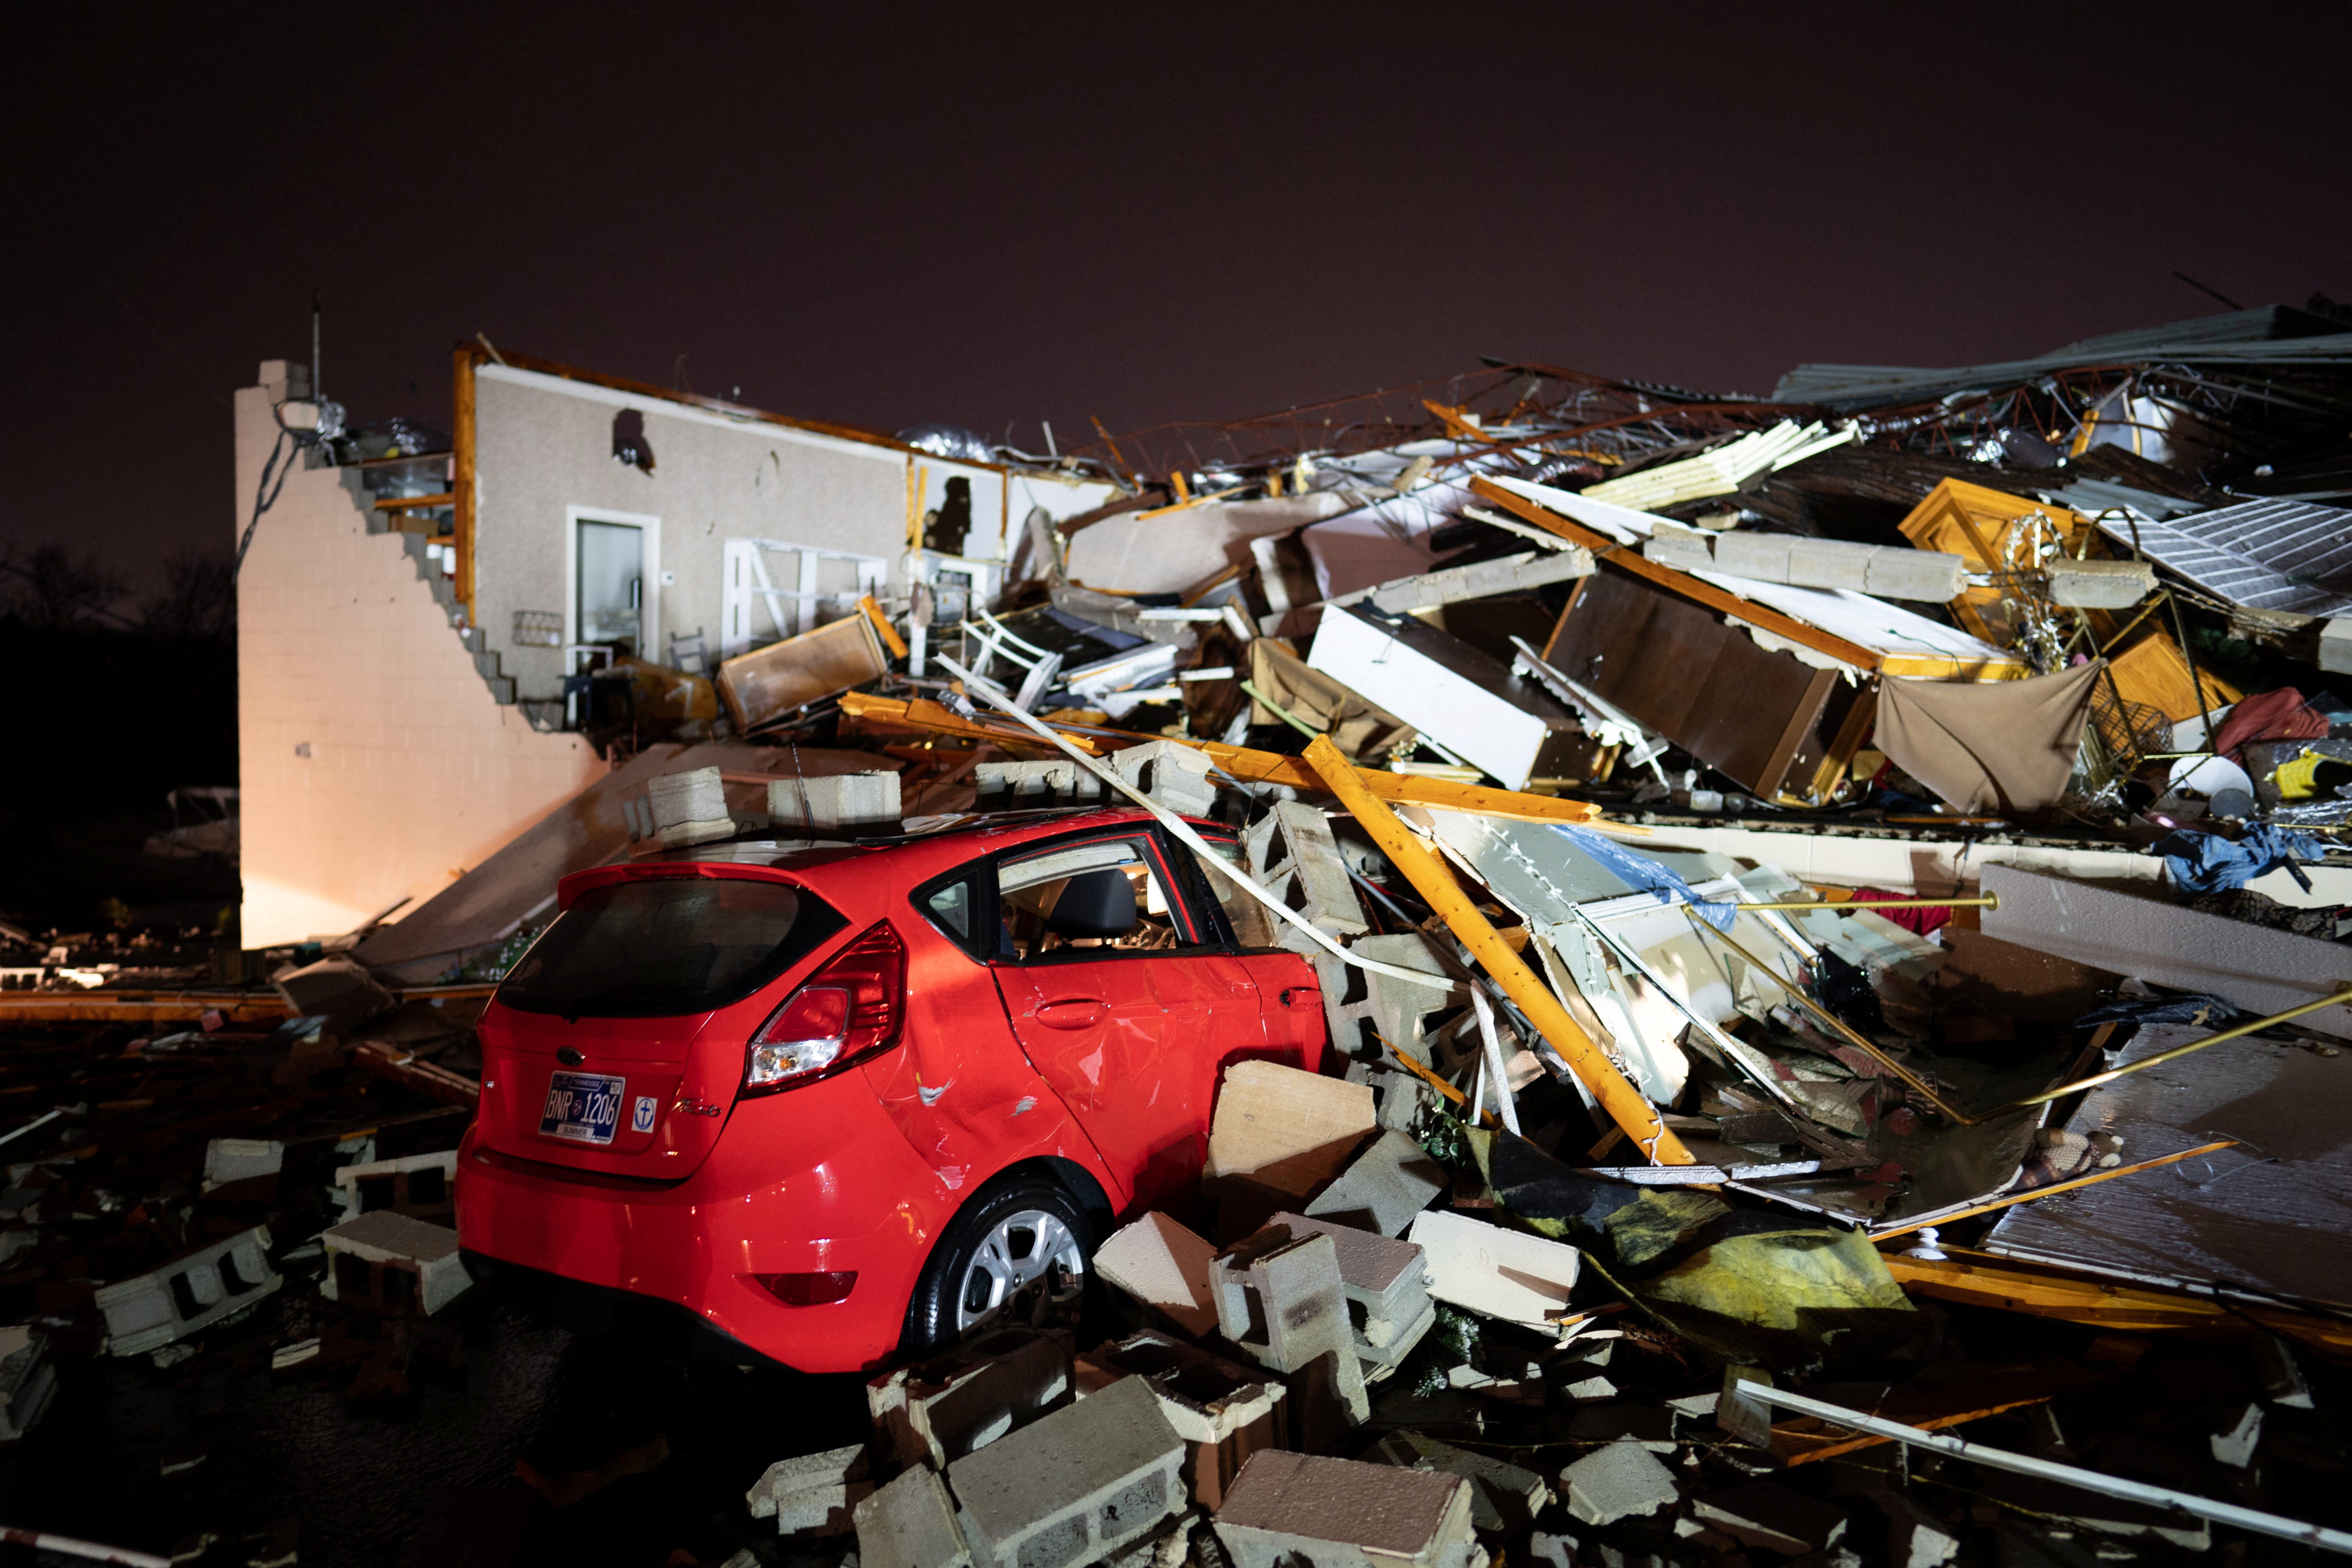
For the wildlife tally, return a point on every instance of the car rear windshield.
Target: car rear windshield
(663, 947)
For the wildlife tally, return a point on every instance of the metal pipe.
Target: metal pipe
(2341, 995)
(68, 1546)
(2067, 1186)
(2313, 1535)
(1856, 906)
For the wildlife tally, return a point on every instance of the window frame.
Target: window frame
(1205, 927)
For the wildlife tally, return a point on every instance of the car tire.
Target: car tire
(1014, 1231)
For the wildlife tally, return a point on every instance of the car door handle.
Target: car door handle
(1073, 1013)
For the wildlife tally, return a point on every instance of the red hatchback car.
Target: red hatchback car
(834, 1098)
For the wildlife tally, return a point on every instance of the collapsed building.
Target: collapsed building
(1757, 854)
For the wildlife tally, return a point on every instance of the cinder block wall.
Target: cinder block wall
(415, 772)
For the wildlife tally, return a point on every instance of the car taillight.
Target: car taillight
(848, 1009)
(810, 1289)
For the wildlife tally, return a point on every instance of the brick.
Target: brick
(1386, 1283)
(1616, 1482)
(1164, 1266)
(1388, 1184)
(946, 1408)
(910, 1523)
(1504, 1274)
(1224, 1412)
(392, 1263)
(1504, 1497)
(813, 1494)
(1769, 1515)
(1286, 1508)
(191, 1293)
(1081, 1485)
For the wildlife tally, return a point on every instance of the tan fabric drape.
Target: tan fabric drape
(2000, 746)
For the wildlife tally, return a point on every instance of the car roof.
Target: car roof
(767, 847)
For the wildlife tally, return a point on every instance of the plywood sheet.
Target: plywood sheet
(2274, 1215)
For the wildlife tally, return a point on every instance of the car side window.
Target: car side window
(1099, 898)
(954, 903)
(1251, 924)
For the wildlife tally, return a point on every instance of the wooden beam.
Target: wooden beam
(889, 633)
(413, 504)
(1625, 1104)
(1253, 767)
(1605, 549)
(1984, 1279)
(461, 475)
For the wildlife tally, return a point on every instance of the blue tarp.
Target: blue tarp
(1647, 874)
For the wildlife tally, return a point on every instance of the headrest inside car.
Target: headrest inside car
(1095, 903)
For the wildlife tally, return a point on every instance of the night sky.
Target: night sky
(1009, 212)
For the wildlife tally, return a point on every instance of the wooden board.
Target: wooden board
(1766, 718)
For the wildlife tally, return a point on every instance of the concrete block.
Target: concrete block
(1767, 1514)
(1496, 1273)
(946, 1408)
(1286, 1509)
(1915, 1538)
(1386, 1283)
(1025, 786)
(192, 1293)
(1165, 1266)
(1081, 1485)
(28, 1381)
(422, 1186)
(834, 801)
(1825, 563)
(1173, 774)
(1388, 1184)
(813, 1494)
(1932, 575)
(1224, 1412)
(1293, 854)
(336, 989)
(230, 1160)
(2100, 584)
(1280, 1299)
(394, 1264)
(1617, 1482)
(1504, 1497)
(689, 807)
(1682, 551)
(2335, 645)
(1551, 1550)
(910, 1523)
(1510, 574)
(1278, 1129)
(1123, 616)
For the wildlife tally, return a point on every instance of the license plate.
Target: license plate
(581, 1106)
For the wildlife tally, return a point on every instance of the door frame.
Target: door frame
(648, 528)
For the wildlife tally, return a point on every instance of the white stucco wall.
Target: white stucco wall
(544, 446)
(415, 772)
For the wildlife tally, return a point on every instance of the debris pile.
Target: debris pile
(1752, 855)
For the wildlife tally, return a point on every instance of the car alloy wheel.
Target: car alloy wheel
(1020, 1250)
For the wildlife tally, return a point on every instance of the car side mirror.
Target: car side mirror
(1094, 904)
